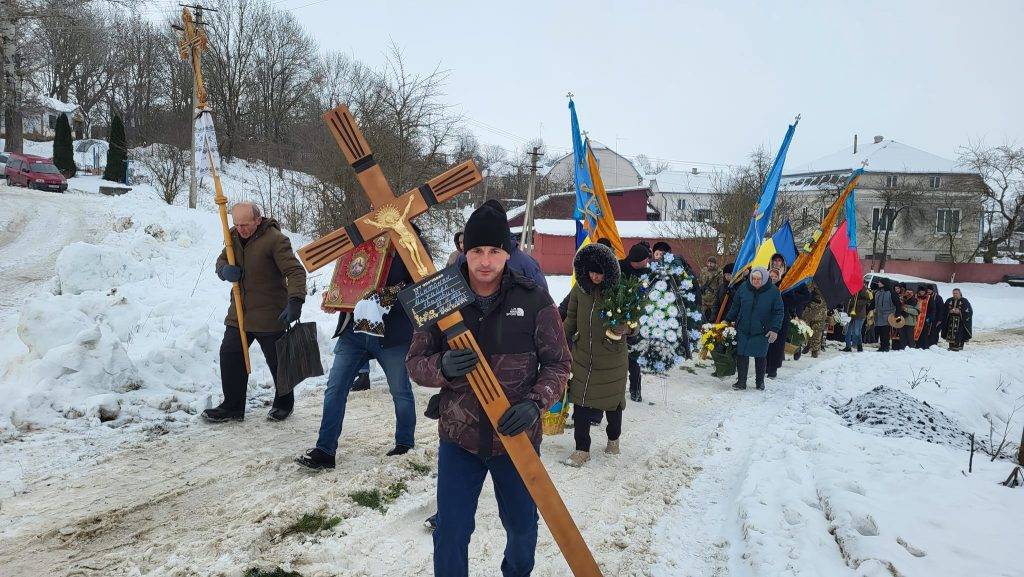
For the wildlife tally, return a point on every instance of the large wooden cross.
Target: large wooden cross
(390, 215)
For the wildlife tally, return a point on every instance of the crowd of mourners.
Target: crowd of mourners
(540, 353)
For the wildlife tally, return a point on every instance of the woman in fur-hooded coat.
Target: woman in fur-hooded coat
(598, 363)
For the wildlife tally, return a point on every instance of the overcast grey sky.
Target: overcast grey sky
(707, 82)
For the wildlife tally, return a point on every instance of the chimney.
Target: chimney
(878, 139)
(855, 144)
(694, 169)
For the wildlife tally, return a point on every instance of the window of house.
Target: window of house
(933, 181)
(947, 221)
(883, 219)
(891, 181)
(680, 204)
(52, 120)
(702, 214)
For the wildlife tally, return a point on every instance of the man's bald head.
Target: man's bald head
(246, 217)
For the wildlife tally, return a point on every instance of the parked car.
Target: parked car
(34, 172)
(3, 165)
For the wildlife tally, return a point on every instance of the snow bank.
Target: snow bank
(129, 329)
(819, 497)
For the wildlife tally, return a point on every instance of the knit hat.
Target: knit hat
(639, 252)
(487, 226)
(605, 242)
(662, 246)
(727, 269)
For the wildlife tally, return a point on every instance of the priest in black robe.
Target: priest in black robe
(957, 316)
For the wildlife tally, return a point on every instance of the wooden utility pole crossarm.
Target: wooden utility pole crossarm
(391, 215)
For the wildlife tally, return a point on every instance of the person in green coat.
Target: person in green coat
(599, 364)
(757, 311)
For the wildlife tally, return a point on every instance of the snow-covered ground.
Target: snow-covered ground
(109, 334)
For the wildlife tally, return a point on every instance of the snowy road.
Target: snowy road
(215, 500)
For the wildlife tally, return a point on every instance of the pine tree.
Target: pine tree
(118, 153)
(63, 155)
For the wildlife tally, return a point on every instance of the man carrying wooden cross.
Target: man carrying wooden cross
(519, 329)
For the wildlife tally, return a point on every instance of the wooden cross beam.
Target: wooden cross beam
(391, 216)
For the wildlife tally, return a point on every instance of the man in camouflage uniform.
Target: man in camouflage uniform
(816, 315)
(710, 285)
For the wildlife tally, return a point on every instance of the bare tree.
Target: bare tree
(1002, 168)
(166, 169)
(902, 199)
(649, 167)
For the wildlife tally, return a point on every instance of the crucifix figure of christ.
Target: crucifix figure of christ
(391, 215)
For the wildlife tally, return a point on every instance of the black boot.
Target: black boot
(222, 415)
(399, 450)
(860, 348)
(742, 366)
(796, 355)
(847, 349)
(316, 459)
(362, 382)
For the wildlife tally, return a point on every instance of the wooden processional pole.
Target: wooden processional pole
(204, 141)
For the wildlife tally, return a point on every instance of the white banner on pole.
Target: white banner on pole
(206, 143)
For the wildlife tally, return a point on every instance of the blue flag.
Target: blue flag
(588, 209)
(763, 214)
(851, 211)
(785, 244)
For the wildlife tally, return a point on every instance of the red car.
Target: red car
(34, 172)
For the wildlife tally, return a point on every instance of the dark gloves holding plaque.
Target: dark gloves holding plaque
(458, 362)
(518, 418)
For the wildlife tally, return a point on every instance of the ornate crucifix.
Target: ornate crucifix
(391, 215)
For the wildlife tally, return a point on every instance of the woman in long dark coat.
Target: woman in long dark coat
(599, 364)
(757, 311)
(958, 319)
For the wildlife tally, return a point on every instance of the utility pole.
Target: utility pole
(190, 47)
(527, 236)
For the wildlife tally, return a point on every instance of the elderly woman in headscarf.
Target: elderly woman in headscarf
(757, 311)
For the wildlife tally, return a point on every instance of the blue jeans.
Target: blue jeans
(460, 477)
(350, 353)
(854, 332)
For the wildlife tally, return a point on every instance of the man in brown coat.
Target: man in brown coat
(273, 285)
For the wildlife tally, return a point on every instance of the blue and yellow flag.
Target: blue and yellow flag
(763, 213)
(781, 242)
(588, 209)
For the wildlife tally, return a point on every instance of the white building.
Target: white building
(616, 170)
(941, 224)
(685, 195)
(39, 118)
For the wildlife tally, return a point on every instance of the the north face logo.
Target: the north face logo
(516, 312)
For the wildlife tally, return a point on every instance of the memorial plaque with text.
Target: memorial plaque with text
(435, 297)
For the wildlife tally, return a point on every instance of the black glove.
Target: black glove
(458, 362)
(518, 418)
(292, 311)
(230, 273)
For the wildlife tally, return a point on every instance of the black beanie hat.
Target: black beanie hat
(639, 252)
(487, 226)
(605, 242)
(727, 269)
(662, 246)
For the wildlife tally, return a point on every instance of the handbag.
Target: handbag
(298, 357)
